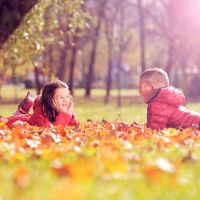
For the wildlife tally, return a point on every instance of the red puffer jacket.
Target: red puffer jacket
(166, 110)
(38, 118)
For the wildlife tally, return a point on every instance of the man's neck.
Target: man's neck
(154, 94)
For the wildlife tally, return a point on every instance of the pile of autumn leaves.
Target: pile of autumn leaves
(96, 150)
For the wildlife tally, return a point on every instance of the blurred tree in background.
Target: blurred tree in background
(101, 44)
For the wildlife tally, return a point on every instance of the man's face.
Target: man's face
(145, 90)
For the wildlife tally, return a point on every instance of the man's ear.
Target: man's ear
(152, 88)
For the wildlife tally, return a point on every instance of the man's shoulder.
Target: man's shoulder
(159, 107)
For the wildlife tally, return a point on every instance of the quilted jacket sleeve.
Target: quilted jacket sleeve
(39, 120)
(64, 119)
(74, 121)
(157, 116)
(14, 118)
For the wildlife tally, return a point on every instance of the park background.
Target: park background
(99, 48)
(101, 45)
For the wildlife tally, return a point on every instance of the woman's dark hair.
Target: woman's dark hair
(47, 98)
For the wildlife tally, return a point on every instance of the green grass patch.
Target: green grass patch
(85, 108)
(90, 108)
(39, 180)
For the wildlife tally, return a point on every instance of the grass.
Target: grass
(90, 108)
(43, 184)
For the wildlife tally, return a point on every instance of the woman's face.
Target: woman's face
(62, 96)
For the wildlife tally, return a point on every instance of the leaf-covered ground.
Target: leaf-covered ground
(99, 160)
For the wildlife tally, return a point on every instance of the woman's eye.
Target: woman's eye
(63, 98)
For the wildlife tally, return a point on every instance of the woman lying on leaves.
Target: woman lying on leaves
(54, 106)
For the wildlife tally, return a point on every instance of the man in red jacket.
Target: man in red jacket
(165, 103)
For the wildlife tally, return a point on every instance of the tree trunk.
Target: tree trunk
(185, 79)
(121, 49)
(110, 56)
(92, 60)
(142, 35)
(109, 79)
(45, 58)
(72, 65)
(48, 61)
(14, 80)
(119, 102)
(37, 82)
(62, 64)
(93, 51)
(170, 59)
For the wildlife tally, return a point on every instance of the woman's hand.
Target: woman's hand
(64, 108)
(70, 108)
